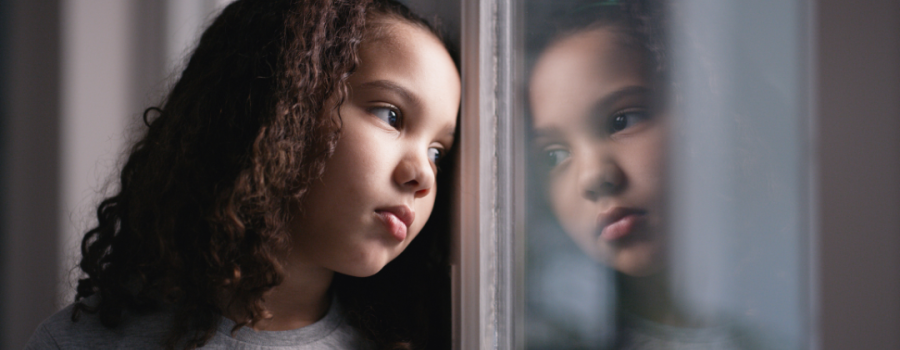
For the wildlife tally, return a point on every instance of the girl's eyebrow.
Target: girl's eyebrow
(606, 103)
(600, 107)
(545, 132)
(393, 87)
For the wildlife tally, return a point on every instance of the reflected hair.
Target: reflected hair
(198, 224)
(640, 23)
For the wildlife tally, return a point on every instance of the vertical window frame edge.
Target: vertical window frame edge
(490, 207)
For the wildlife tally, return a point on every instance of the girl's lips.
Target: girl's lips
(618, 222)
(397, 219)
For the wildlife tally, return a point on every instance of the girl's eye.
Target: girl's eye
(435, 154)
(556, 156)
(388, 115)
(625, 120)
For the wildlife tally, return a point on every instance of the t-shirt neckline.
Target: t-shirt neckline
(300, 336)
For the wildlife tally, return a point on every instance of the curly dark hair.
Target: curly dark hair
(199, 219)
(641, 24)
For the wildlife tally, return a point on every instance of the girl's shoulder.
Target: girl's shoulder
(59, 331)
(149, 331)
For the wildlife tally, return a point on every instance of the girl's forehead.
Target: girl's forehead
(382, 26)
(596, 42)
(399, 38)
(581, 68)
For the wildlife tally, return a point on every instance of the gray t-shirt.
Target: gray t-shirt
(150, 331)
(635, 333)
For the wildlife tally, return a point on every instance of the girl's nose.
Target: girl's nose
(415, 173)
(600, 177)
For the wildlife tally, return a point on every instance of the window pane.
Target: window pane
(667, 174)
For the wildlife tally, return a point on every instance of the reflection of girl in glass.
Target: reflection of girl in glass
(296, 153)
(602, 140)
(599, 124)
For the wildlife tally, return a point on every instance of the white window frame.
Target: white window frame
(487, 293)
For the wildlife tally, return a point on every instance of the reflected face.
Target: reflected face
(378, 188)
(602, 148)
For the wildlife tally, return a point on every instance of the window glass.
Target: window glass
(666, 175)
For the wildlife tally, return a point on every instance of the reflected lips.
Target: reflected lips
(397, 219)
(618, 222)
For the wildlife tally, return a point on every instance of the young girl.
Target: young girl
(297, 152)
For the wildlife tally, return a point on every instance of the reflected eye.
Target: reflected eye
(435, 154)
(556, 156)
(624, 120)
(388, 115)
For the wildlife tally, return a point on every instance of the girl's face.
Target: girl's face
(378, 188)
(603, 148)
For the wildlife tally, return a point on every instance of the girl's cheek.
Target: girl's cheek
(566, 203)
(556, 192)
(646, 161)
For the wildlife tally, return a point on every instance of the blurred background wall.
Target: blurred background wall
(76, 75)
(30, 158)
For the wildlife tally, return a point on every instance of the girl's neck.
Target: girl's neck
(649, 297)
(303, 298)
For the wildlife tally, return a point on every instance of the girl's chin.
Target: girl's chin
(639, 254)
(365, 267)
(638, 262)
(638, 270)
(362, 271)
